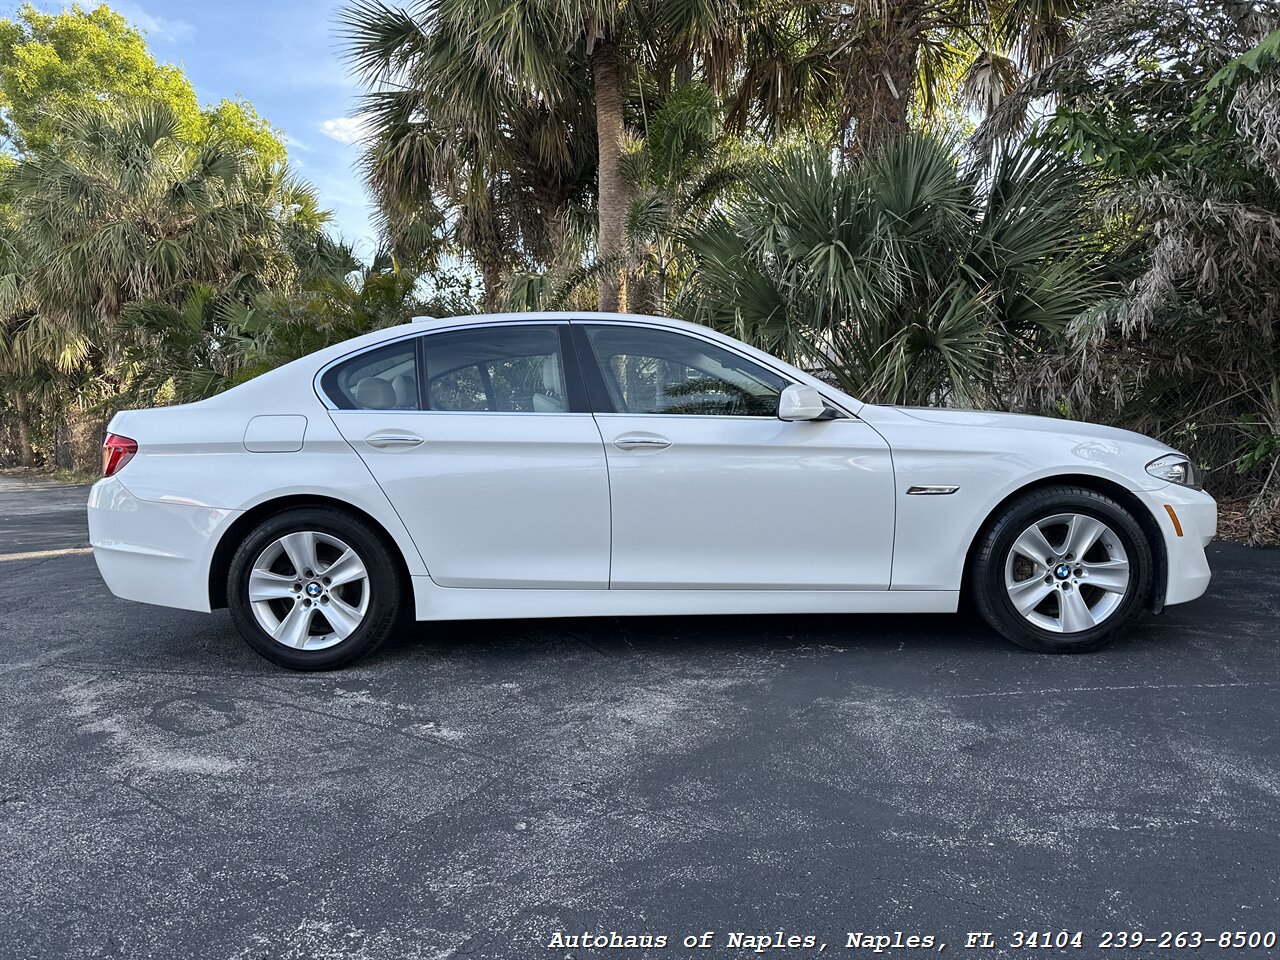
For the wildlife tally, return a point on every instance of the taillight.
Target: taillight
(116, 452)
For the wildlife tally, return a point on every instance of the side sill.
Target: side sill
(433, 602)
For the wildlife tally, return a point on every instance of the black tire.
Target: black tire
(385, 604)
(996, 542)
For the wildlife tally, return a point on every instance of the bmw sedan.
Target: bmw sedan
(553, 465)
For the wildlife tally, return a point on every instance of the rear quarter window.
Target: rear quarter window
(381, 379)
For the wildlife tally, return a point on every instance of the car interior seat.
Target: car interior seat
(406, 390)
(549, 399)
(372, 393)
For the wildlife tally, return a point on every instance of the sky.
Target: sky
(283, 56)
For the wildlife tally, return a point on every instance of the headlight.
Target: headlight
(1175, 468)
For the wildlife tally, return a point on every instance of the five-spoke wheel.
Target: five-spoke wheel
(1063, 569)
(1067, 572)
(314, 588)
(309, 590)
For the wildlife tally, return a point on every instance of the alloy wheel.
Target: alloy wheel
(309, 590)
(1067, 573)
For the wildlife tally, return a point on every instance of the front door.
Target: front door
(481, 443)
(711, 490)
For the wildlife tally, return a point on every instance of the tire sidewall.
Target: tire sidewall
(997, 606)
(384, 600)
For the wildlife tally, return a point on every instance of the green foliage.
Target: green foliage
(285, 325)
(466, 159)
(180, 352)
(1177, 109)
(1249, 64)
(54, 65)
(136, 230)
(678, 173)
(907, 278)
(130, 209)
(214, 339)
(238, 124)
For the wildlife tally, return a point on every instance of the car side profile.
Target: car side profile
(587, 464)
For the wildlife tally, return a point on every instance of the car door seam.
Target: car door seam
(893, 470)
(608, 485)
(377, 483)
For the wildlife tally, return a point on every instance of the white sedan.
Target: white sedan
(550, 465)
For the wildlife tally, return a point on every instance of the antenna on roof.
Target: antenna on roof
(422, 319)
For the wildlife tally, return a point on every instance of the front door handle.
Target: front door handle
(386, 440)
(642, 443)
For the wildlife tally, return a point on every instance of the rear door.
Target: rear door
(482, 440)
(711, 490)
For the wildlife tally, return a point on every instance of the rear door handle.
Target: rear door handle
(392, 440)
(641, 443)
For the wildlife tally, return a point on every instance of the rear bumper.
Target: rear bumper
(1184, 539)
(154, 551)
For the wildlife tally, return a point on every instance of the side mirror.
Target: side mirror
(800, 402)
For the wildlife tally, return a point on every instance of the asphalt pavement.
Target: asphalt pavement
(490, 790)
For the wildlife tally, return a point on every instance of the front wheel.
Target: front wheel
(314, 589)
(1063, 570)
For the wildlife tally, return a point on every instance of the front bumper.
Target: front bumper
(1185, 538)
(154, 551)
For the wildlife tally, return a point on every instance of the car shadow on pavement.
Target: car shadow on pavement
(756, 634)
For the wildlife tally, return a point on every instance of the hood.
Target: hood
(1022, 421)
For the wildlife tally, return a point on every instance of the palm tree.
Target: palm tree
(860, 69)
(460, 155)
(460, 46)
(678, 170)
(214, 339)
(130, 210)
(906, 278)
(282, 326)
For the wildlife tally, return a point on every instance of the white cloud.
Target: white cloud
(346, 129)
(156, 28)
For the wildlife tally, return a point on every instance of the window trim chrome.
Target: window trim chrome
(332, 407)
(644, 322)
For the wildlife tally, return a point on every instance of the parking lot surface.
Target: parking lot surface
(478, 787)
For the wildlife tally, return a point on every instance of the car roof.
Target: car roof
(559, 316)
(423, 324)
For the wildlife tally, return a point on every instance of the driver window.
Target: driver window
(650, 371)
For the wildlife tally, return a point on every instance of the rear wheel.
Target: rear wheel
(314, 589)
(1063, 570)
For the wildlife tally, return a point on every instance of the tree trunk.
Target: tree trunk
(613, 187)
(884, 78)
(552, 210)
(62, 459)
(491, 276)
(26, 453)
(487, 248)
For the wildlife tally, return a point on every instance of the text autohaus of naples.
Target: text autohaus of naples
(759, 943)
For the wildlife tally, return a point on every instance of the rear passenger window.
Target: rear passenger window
(497, 369)
(382, 379)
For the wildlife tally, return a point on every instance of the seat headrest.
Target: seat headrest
(406, 389)
(551, 374)
(374, 394)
